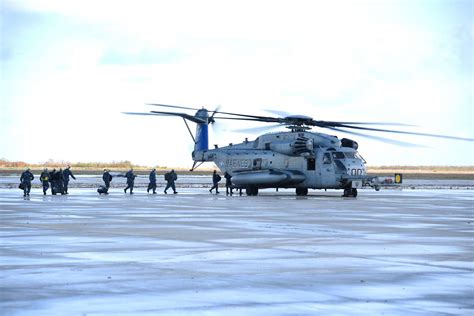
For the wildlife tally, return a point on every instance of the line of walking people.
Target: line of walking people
(58, 180)
(170, 177)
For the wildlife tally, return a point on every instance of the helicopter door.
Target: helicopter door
(311, 176)
(327, 172)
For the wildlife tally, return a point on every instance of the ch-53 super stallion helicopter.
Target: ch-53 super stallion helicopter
(297, 158)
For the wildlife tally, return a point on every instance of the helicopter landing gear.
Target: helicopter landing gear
(350, 192)
(301, 191)
(251, 190)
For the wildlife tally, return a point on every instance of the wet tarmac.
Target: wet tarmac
(391, 252)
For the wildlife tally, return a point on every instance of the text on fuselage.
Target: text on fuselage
(238, 163)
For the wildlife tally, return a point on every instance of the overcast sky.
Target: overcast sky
(69, 68)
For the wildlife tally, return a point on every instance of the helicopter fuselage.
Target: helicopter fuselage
(296, 159)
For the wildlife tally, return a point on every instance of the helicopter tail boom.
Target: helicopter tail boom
(202, 137)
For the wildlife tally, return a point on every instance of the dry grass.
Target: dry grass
(424, 169)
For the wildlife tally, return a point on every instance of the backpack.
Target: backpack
(102, 190)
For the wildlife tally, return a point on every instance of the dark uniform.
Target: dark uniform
(130, 181)
(66, 174)
(52, 181)
(215, 182)
(170, 178)
(25, 181)
(107, 177)
(60, 181)
(152, 184)
(44, 178)
(228, 184)
(56, 179)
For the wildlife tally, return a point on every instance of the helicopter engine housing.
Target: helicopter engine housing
(299, 146)
(346, 142)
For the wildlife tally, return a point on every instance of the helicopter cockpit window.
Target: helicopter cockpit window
(350, 155)
(327, 159)
(338, 155)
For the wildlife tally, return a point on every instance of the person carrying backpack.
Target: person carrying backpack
(228, 184)
(107, 177)
(215, 182)
(130, 181)
(44, 178)
(25, 181)
(170, 178)
(152, 184)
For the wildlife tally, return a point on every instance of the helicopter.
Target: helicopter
(297, 158)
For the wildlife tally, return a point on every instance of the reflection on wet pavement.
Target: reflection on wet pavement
(391, 252)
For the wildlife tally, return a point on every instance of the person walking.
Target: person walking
(107, 177)
(56, 180)
(25, 181)
(152, 184)
(44, 178)
(130, 181)
(59, 179)
(170, 178)
(66, 174)
(52, 176)
(215, 182)
(228, 184)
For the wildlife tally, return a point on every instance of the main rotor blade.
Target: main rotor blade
(373, 123)
(183, 115)
(244, 119)
(279, 113)
(406, 133)
(378, 138)
(173, 106)
(258, 129)
(257, 117)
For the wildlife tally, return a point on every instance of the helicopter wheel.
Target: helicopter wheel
(301, 191)
(350, 192)
(347, 192)
(251, 190)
